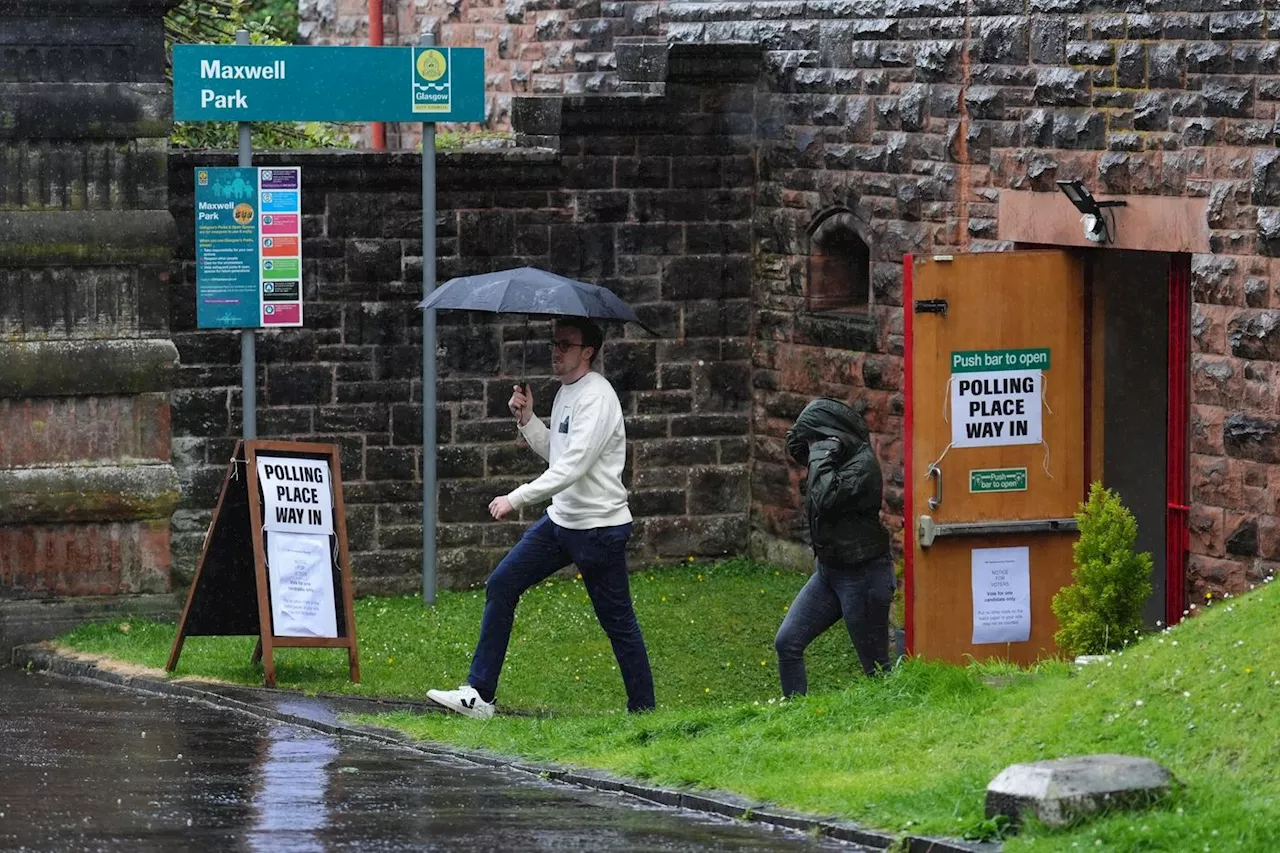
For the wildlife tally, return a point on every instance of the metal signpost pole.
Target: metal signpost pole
(248, 357)
(342, 84)
(428, 358)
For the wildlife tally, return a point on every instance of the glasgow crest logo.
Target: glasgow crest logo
(432, 80)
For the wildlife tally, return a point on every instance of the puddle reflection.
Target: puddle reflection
(290, 805)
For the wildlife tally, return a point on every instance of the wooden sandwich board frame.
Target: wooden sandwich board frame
(226, 582)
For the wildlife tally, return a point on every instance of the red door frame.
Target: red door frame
(1177, 539)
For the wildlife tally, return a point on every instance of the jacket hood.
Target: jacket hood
(826, 417)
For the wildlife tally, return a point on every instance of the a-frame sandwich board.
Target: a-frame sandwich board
(231, 593)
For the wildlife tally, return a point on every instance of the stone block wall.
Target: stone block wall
(695, 201)
(86, 485)
(915, 114)
(651, 197)
(539, 47)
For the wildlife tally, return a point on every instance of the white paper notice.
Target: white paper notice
(1001, 595)
(296, 495)
(301, 575)
(996, 408)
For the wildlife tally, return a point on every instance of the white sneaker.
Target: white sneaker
(465, 700)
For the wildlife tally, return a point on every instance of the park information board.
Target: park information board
(248, 247)
(326, 83)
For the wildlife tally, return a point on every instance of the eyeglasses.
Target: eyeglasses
(565, 346)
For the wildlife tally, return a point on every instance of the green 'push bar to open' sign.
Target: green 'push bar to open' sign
(322, 83)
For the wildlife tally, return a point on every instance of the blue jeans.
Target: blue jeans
(861, 594)
(546, 547)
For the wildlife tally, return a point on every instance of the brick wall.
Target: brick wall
(914, 115)
(531, 46)
(651, 197)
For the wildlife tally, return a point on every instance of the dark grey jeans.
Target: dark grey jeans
(861, 594)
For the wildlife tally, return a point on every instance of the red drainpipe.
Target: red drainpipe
(378, 130)
(1177, 538)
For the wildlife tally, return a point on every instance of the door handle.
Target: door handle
(936, 500)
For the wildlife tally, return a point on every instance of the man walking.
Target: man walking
(588, 523)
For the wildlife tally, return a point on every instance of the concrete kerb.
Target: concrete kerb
(723, 804)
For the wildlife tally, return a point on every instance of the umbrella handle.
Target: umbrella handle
(524, 354)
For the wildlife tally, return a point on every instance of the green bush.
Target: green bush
(1102, 610)
(281, 15)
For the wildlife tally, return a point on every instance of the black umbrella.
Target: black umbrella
(527, 290)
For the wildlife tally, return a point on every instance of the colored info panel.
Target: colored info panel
(280, 245)
(227, 222)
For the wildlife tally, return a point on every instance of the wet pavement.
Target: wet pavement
(87, 767)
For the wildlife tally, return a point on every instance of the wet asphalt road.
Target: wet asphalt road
(86, 767)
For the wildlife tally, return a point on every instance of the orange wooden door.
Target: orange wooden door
(986, 480)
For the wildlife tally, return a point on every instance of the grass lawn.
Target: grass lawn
(913, 751)
(709, 631)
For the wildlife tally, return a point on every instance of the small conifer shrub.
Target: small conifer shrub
(1102, 610)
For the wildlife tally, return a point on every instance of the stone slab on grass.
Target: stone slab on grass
(1061, 791)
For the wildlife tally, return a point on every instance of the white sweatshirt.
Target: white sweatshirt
(586, 448)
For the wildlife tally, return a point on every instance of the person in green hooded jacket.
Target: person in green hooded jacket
(853, 574)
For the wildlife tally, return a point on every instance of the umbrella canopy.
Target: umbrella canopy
(527, 290)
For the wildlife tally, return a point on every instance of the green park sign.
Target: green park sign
(322, 83)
